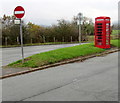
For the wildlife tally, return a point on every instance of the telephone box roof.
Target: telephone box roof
(102, 17)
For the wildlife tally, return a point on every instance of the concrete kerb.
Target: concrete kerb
(60, 63)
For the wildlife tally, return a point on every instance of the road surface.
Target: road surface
(10, 55)
(95, 79)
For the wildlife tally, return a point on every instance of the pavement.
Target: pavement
(7, 71)
(95, 79)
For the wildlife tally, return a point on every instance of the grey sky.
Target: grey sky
(47, 12)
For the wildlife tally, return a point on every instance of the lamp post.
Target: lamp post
(79, 19)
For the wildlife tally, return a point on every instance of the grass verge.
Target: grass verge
(62, 54)
(116, 43)
(58, 55)
(114, 32)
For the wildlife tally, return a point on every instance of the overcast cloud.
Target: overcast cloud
(47, 12)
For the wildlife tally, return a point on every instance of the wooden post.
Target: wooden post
(54, 39)
(63, 39)
(18, 40)
(31, 40)
(6, 41)
(71, 39)
(44, 39)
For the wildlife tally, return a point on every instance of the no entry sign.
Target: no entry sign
(19, 12)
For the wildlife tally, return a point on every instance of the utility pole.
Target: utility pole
(79, 19)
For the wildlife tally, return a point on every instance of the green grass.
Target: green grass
(115, 32)
(54, 56)
(58, 55)
(116, 43)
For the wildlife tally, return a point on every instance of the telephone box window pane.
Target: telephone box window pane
(99, 43)
(100, 19)
(107, 37)
(99, 23)
(99, 27)
(107, 42)
(107, 29)
(107, 23)
(99, 37)
(107, 19)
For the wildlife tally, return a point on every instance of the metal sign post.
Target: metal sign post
(80, 32)
(19, 13)
(21, 36)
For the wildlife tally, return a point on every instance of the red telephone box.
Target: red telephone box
(102, 32)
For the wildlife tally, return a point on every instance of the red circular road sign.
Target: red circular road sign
(19, 12)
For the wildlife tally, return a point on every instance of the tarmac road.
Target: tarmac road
(95, 79)
(10, 55)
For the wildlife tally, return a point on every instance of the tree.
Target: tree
(35, 32)
(10, 31)
(63, 31)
